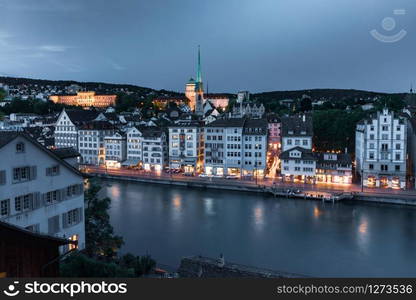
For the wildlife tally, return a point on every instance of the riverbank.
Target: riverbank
(301, 192)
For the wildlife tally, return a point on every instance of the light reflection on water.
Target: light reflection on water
(298, 236)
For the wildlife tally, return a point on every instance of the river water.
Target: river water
(299, 236)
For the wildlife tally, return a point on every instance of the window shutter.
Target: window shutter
(31, 200)
(2, 177)
(63, 194)
(32, 173)
(80, 214)
(64, 220)
(36, 200)
(81, 188)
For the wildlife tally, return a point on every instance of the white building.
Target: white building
(186, 146)
(91, 141)
(297, 160)
(154, 148)
(38, 190)
(66, 130)
(134, 147)
(381, 150)
(236, 146)
(115, 149)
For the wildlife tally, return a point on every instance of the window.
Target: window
(72, 217)
(24, 174)
(52, 196)
(20, 148)
(398, 156)
(371, 166)
(384, 167)
(397, 168)
(52, 171)
(4, 207)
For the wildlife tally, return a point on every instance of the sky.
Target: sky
(261, 45)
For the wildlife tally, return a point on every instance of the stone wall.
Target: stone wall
(205, 267)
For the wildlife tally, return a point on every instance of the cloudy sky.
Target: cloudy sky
(260, 45)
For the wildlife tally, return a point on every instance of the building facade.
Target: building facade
(381, 150)
(39, 191)
(115, 149)
(235, 147)
(333, 168)
(91, 141)
(296, 157)
(66, 128)
(186, 146)
(154, 148)
(85, 99)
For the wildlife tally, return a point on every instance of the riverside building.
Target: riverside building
(381, 150)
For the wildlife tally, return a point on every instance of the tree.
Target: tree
(305, 104)
(100, 238)
(2, 94)
(392, 102)
(141, 265)
(79, 265)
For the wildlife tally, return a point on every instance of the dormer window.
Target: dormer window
(20, 148)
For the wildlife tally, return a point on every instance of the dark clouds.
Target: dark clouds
(255, 45)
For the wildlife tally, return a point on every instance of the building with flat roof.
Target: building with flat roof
(85, 99)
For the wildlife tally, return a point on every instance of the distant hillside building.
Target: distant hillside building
(85, 99)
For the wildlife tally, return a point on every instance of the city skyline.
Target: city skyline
(302, 46)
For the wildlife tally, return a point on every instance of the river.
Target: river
(298, 236)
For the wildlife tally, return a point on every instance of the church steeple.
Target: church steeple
(199, 89)
(198, 74)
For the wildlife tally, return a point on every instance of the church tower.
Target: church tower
(199, 89)
(190, 93)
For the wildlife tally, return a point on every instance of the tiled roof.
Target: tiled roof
(63, 153)
(342, 158)
(233, 122)
(298, 125)
(81, 115)
(305, 154)
(96, 125)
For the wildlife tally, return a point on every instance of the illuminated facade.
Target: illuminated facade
(85, 99)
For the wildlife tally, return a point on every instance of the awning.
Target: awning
(131, 162)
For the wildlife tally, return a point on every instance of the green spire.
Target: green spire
(198, 74)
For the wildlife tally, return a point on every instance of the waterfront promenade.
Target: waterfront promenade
(257, 185)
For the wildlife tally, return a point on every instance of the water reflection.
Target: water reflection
(258, 212)
(209, 206)
(363, 234)
(345, 239)
(317, 212)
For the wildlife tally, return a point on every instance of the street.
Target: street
(267, 182)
